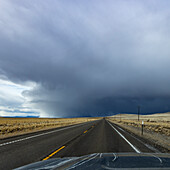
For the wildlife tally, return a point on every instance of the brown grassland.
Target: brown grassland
(156, 126)
(17, 126)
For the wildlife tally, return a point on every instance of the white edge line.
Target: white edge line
(124, 138)
(18, 140)
(146, 145)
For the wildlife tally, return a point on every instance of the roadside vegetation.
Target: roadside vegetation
(17, 126)
(156, 127)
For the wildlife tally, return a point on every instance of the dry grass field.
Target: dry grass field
(159, 123)
(156, 126)
(17, 126)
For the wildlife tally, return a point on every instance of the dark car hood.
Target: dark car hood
(105, 161)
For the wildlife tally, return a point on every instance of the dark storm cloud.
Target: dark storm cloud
(88, 58)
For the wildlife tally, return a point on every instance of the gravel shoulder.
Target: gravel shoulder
(154, 133)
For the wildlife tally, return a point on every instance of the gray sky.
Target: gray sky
(79, 58)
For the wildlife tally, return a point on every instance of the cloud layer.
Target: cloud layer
(88, 58)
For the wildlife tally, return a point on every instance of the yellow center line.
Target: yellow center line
(54, 153)
(49, 156)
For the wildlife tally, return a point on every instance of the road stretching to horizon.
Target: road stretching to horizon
(100, 136)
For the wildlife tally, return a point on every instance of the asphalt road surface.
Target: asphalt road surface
(98, 136)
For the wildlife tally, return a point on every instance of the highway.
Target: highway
(99, 136)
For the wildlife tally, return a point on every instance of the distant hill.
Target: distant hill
(21, 116)
(153, 117)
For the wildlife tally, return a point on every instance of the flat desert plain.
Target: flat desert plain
(17, 126)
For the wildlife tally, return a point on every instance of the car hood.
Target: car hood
(105, 161)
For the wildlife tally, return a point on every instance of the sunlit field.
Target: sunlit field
(156, 122)
(16, 126)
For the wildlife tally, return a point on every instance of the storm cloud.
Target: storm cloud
(87, 58)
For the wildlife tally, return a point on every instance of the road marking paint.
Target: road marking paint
(34, 136)
(53, 153)
(148, 146)
(57, 151)
(124, 138)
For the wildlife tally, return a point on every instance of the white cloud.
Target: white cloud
(12, 102)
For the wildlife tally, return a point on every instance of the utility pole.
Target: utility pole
(138, 112)
(142, 127)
